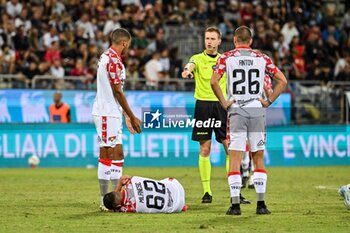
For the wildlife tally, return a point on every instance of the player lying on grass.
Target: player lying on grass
(144, 195)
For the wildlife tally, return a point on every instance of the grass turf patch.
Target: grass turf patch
(67, 199)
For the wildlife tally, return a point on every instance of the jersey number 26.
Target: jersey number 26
(239, 87)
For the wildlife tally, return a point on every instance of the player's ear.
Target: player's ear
(250, 42)
(219, 43)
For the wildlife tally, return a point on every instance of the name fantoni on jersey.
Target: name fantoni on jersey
(209, 123)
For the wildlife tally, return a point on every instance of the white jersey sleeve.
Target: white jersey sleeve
(110, 71)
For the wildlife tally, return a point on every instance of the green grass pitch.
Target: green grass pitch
(66, 200)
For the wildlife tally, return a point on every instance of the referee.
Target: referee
(200, 67)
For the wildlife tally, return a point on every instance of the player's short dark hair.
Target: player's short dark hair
(119, 35)
(213, 29)
(109, 201)
(243, 34)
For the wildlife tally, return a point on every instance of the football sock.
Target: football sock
(235, 183)
(227, 163)
(260, 178)
(205, 172)
(116, 172)
(103, 174)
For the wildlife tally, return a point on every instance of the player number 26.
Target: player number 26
(239, 81)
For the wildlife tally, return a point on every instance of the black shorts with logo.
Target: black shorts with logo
(212, 111)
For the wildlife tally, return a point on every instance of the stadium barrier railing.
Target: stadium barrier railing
(316, 102)
(66, 82)
(313, 102)
(87, 83)
(13, 81)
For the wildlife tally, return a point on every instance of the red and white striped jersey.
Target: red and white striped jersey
(128, 198)
(144, 195)
(268, 85)
(110, 71)
(248, 75)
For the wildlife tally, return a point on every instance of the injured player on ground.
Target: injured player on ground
(144, 195)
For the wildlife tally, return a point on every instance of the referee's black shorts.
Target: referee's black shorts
(205, 110)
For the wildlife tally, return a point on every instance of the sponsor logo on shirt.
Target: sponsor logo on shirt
(170, 201)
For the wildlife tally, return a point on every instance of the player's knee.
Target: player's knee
(205, 151)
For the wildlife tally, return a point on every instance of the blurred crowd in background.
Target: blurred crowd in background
(309, 40)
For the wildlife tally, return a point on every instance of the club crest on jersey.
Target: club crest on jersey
(112, 139)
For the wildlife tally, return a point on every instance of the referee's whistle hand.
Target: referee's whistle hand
(186, 74)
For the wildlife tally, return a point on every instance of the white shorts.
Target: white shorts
(179, 194)
(109, 130)
(240, 128)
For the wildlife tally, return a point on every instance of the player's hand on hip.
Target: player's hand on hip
(129, 125)
(227, 104)
(186, 74)
(136, 124)
(264, 103)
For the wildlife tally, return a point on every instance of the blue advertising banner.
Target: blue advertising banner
(76, 145)
(32, 106)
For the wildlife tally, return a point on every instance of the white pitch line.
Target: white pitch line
(326, 187)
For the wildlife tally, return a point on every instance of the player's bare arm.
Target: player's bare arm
(122, 182)
(188, 69)
(280, 86)
(118, 93)
(218, 92)
(128, 123)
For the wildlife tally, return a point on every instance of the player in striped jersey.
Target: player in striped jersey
(246, 70)
(145, 195)
(109, 106)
